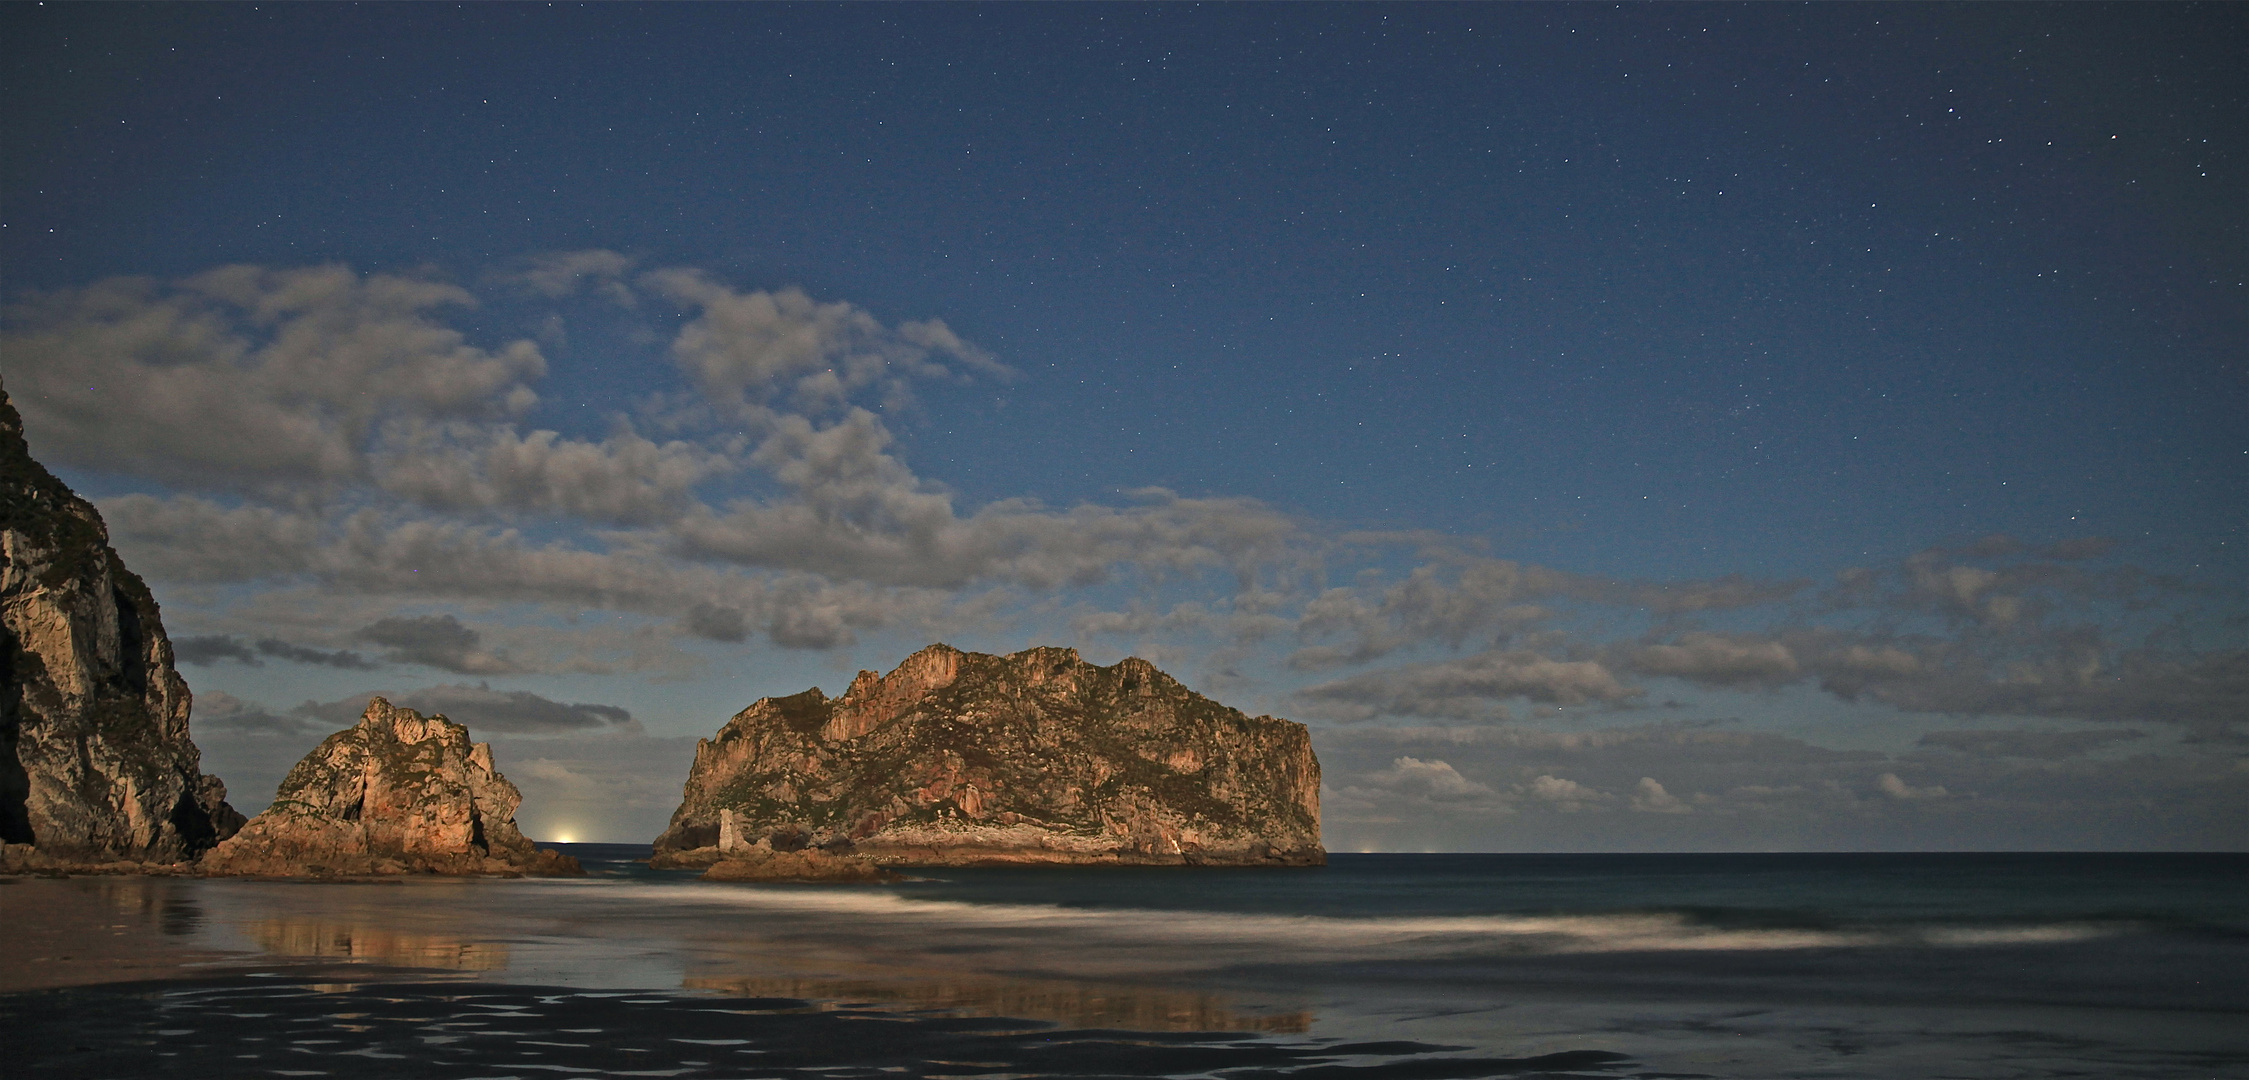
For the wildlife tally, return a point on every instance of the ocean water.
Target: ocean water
(1428, 966)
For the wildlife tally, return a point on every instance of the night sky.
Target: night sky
(1610, 428)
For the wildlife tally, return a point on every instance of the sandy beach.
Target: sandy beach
(88, 930)
(117, 977)
(1440, 967)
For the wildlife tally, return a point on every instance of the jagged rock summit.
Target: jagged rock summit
(95, 761)
(959, 758)
(397, 793)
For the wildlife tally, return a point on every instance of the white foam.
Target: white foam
(2048, 934)
(1297, 935)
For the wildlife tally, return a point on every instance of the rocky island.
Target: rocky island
(96, 766)
(398, 793)
(959, 758)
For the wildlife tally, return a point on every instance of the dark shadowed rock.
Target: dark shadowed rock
(1039, 757)
(398, 793)
(95, 761)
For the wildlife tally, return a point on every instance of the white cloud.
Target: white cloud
(1434, 781)
(482, 709)
(217, 710)
(1728, 592)
(1650, 797)
(438, 641)
(1469, 687)
(625, 479)
(857, 512)
(747, 348)
(190, 538)
(1719, 659)
(1898, 789)
(1757, 790)
(564, 273)
(366, 553)
(244, 377)
(1446, 602)
(552, 771)
(313, 429)
(1568, 796)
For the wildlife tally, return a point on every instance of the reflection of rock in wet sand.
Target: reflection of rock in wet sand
(76, 931)
(1092, 1005)
(150, 903)
(358, 941)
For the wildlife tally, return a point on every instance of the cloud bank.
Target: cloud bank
(330, 472)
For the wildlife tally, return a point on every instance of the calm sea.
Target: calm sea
(1408, 966)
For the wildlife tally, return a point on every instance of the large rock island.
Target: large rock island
(96, 766)
(398, 793)
(959, 758)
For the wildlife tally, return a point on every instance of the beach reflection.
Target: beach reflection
(166, 905)
(80, 931)
(704, 940)
(1071, 1004)
(370, 943)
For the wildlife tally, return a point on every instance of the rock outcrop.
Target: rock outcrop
(809, 866)
(95, 761)
(962, 758)
(398, 793)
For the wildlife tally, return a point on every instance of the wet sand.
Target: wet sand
(107, 984)
(285, 1027)
(657, 975)
(86, 931)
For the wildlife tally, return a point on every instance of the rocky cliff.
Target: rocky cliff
(95, 760)
(398, 793)
(960, 758)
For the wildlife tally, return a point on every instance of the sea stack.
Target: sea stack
(96, 766)
(398, 793)
(959, 758)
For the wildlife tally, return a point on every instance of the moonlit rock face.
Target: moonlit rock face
(1038, 757)
(95, 760)
(397, 793)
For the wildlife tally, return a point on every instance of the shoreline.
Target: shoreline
(456, 978)
(99, 926)
(113, 934)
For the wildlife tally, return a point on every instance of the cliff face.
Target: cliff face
(95, 760)
(398, 793)
(958, 758)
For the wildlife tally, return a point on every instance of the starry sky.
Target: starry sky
(1610, 428)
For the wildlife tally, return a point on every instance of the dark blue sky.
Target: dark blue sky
(1641, 294)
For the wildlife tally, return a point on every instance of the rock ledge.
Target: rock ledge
(810, 866)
